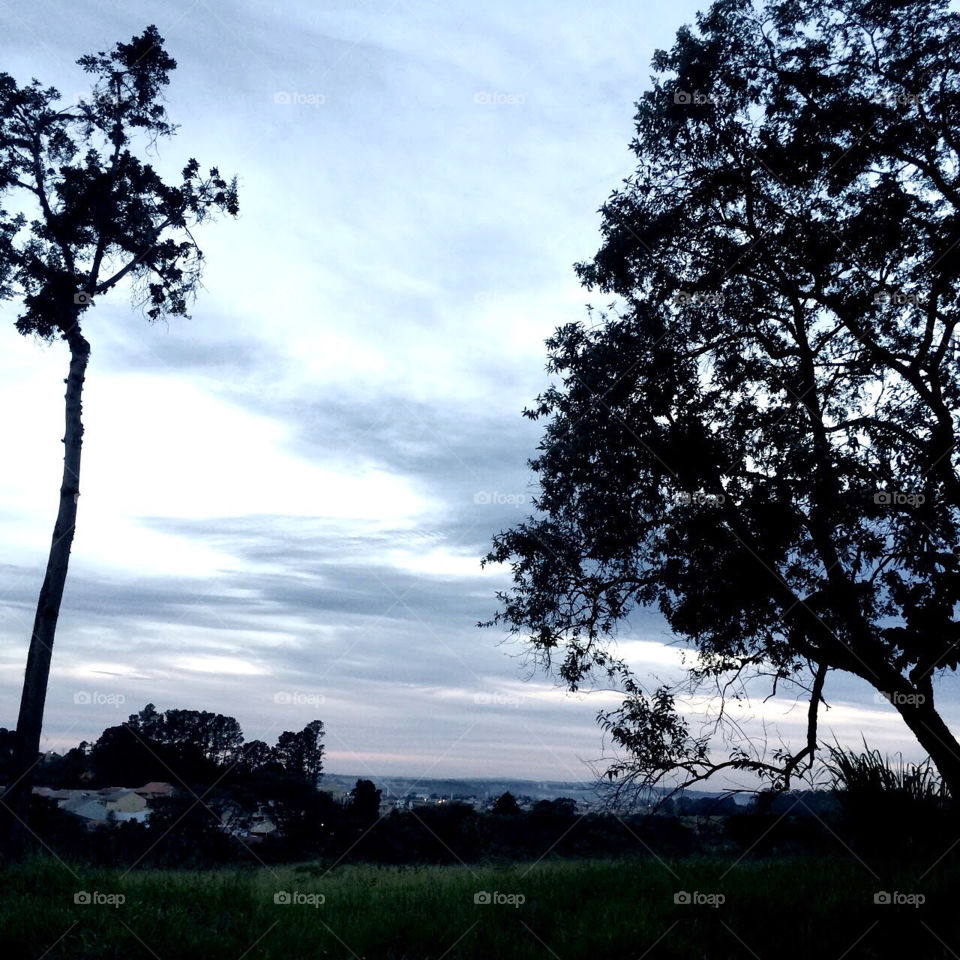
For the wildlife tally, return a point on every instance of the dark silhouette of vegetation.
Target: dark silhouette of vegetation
(187, 746)
(759, 436)
(191, 745)
(220, 786)
(505, 805)
(100, 216)
(882, 800)
(881, 810)
(301, 754)
(364, 802)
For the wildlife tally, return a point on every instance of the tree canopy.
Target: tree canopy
(103, 214)
(757, 436)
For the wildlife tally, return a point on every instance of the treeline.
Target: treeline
(226, 786)
(206, 829)
(181, 747)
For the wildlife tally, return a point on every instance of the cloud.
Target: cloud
(290, 491)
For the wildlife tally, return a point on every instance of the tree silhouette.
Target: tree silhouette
(506, 804)
(759, 435)
(101, 216)
(363, 801)
(301, 752)
(255, 755)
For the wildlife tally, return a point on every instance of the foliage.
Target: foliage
(364, 801)
(868, 775)
(758, 436)
(103, 214)
(505, 805)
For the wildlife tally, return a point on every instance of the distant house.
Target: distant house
(127, 801)
(155, 790)
(96, 807)
(57, 795)
(63, 797)
(91, 809)
(261, 829)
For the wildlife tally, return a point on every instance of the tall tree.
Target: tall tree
(301, 752)
(101, 216)
(759, 435)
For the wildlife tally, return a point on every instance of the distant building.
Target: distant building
(91, 809)
(96, 807)
(155, 789)
(128, 801)
(260, 829)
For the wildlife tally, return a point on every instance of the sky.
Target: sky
(285, 498)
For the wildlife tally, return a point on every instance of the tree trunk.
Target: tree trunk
(15, 799)
(936, 738)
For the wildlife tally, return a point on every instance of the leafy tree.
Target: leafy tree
(301, 753)
(506, 804)
(255, 755)
(99, 216)
(302, 814)
(363, 801)
(70, 770)
(123, 755)
(758, 436)
(217, 737)
(561, 807)
(149, 722)
(178, 745)
(188, 830)
(120, 756)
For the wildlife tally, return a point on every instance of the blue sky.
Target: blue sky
(285, 498)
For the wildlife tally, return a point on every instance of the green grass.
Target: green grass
(572, 909)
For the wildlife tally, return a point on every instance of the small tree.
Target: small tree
(759, 437)
(506, 805)
(101, 216)
(363, 801)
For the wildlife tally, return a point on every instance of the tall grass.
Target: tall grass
(713, 908)
(869, 774)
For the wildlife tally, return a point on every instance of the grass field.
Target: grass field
(557, 909)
